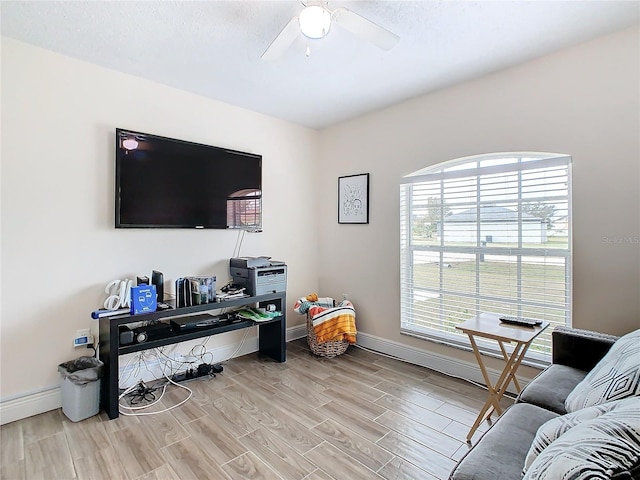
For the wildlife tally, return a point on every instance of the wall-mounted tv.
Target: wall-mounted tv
(168, 183)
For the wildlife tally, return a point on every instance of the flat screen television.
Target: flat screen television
(168, 183)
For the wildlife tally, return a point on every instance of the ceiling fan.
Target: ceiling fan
(314, 22)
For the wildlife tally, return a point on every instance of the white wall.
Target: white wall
(582, 101)
(59, 245)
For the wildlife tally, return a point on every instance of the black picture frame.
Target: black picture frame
(353, 199)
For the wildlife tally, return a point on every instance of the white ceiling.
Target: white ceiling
(213, 48)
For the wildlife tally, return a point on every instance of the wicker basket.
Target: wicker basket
(325, 349)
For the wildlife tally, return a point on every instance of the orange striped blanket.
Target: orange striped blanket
(330, 322)
(334, 324)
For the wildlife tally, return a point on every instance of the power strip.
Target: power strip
(203, 370)
(217, 368)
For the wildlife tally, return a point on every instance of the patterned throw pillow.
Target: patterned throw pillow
(551, 430)
(616, 376)
(595, 449)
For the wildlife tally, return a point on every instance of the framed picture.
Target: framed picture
(353, 199)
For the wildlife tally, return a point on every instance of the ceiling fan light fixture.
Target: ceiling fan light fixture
(315, 21)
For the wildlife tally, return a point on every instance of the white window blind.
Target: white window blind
(486, 234)
(244, 209)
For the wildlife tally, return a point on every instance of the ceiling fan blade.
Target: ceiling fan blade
(365, 29)
(284, 39)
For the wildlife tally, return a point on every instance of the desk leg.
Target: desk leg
(272, 341)
(272, 337)
(109, 345)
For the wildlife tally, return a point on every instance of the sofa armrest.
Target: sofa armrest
(581, 349)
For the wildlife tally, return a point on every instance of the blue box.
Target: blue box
(143, 299)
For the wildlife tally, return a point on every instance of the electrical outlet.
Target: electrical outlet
(85, 332)
(83, 337)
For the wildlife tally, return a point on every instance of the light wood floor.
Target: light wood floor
(357, 416)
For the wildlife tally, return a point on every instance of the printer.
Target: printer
(259, 275)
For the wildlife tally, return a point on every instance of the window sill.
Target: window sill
(486, 347)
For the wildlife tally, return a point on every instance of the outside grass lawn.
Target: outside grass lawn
(542, 291)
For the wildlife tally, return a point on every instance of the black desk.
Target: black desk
(271, 337)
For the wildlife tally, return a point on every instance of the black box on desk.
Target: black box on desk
(148, 333)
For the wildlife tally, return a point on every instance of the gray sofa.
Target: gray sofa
(500, 453)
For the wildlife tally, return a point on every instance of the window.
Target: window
(490, 233)
(244, 209)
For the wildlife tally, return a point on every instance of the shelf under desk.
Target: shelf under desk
(271, 337)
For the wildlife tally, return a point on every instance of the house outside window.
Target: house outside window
(489, 233)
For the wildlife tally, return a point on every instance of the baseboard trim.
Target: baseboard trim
(30, 404)
(434, 361)
(27, 405)
(294, 333)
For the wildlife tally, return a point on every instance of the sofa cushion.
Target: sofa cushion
(554, 428)
(550, 388)
(616, 376)
(604, 447)
(500, 452)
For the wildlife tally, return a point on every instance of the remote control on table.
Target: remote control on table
(525, 322)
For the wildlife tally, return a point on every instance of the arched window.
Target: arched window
(488, 233)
